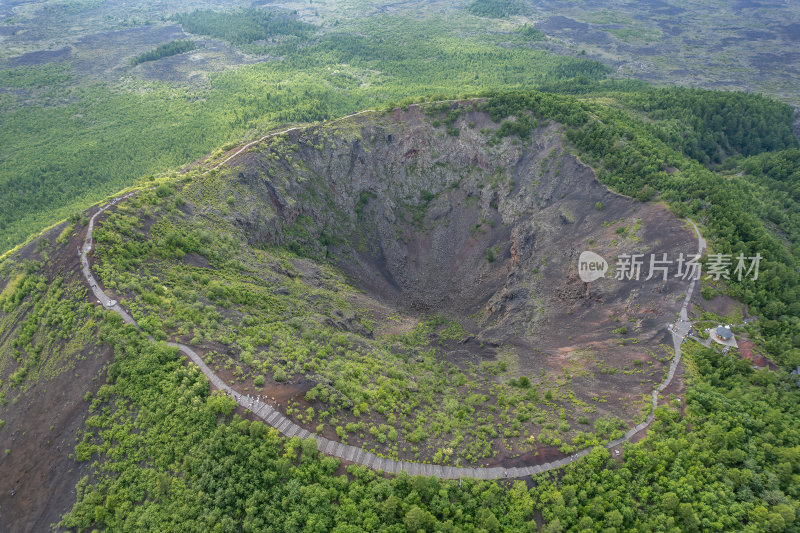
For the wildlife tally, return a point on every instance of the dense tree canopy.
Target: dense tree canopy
(165, 50)
(165, 454)
(89, 140)
(633, 160)
(244, 26)
(496, 8)
(712, 125)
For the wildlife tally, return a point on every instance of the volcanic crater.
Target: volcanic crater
(435, 216)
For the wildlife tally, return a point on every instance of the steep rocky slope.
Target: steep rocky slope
(411, 214)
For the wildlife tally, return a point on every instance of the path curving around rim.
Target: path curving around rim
(358, 455)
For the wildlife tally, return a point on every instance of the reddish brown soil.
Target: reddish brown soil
(277, 394)
(677, 387)
(38, 482)
(38, 479)
(720, 304)
(644, 307)
(749, 351)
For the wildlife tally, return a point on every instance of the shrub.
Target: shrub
(496, 8)
(221, 403)
(65, 233)
(707, 292)
(163, 190)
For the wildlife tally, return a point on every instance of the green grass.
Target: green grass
(47, 325)
(217, 471)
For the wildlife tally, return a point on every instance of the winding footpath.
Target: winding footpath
(352, 453)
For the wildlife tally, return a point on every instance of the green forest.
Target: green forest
(711, 127)
(161, 451)
(496, 8)
(165, 50)
(738, 468)
(59, 158)
(243, 27)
